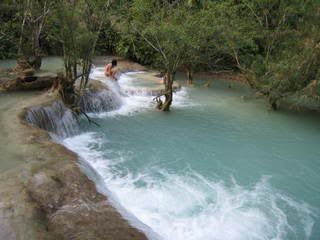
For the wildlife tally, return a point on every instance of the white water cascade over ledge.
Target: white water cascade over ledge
(167, 195)
(136, 93)
(118, 98)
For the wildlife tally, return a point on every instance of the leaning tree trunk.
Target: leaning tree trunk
(168, 92)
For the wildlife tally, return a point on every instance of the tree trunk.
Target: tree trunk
(273, 103)
(168, 92)
(189, 75)
(36, 59)
(66, 90)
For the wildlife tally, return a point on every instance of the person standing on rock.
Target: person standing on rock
(110, 69)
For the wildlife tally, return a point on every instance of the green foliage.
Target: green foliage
(207, 34)
(288, 59)
(274, 43)
(269, 41)
(77, 26)
(108, 39)
(9, 30)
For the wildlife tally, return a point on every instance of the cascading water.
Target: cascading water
(213, 168)
(56, 119)
(62, 122)
(136, 94)
(99, 101)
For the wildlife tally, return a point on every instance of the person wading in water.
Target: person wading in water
(109, 69)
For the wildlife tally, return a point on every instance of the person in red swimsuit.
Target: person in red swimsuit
(109, 69)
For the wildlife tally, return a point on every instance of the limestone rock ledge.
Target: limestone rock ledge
(25, 81)
(67, 200)
(47, 196)
(72, 207)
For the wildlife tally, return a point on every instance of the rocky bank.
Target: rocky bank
(44, 194)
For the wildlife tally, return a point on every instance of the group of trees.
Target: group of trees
(275, 44)
(73, 26)
(76, 26)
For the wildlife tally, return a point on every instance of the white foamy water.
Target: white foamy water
(135, 99)
(184, 205)
(192, 207)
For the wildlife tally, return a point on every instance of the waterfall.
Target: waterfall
(103, 96)
(56, 119)
(62, 122)
(99, 101)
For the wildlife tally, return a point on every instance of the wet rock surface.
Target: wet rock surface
(45, 195)
(94, 101)
(26, 80)
(72, 206)
(55, 118)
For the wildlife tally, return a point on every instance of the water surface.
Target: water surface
(216, 167)
(54, 64)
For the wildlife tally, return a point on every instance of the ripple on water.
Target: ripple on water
(195, 205)
(190, 206)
